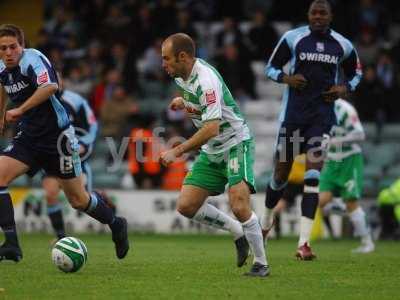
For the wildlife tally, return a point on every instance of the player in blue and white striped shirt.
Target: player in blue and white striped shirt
(45, 139)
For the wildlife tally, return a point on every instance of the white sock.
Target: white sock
(252, 231)
(358, 219)
(212, 216)
(305, 230)
(267, 218)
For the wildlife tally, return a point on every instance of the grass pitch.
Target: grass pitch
(201, 267)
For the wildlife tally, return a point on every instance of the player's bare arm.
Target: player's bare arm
(335, 92)
(350, 137)
(208, 131)
(38, 97)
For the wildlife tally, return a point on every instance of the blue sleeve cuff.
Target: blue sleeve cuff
(280, 77)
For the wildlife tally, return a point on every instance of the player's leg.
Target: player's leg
(315, 137)
(192, 204)
(10, 169)
(66, 166)
(207, 178)
(283, 160)
(328, 184)
(94, 205)
(274, 191)
(359, 221)
(279, 208)
(309, 206)
(52, 190)
(352, 172)
(239, 199)
(324, 198)
(241, 184)
(88, 182)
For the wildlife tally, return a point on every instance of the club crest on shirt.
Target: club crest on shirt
(320, 47)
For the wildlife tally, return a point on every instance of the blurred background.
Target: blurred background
(109, 52)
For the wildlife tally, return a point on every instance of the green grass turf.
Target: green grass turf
(201, 267)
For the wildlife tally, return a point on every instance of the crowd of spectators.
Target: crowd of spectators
(109, 51)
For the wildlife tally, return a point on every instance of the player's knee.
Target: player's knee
(51, 199)
(324, 199)
(239, 203)
(240, 209)
(185, 208)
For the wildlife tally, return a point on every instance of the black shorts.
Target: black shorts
(291, 191)
(86, 170)
(294, 139)
(57, 156)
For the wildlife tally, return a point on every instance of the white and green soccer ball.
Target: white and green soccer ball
(69, 254)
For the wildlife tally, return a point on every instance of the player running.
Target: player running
(342, 174)
(317, 55)
(85, 124)
(45, 140)
(226, 154)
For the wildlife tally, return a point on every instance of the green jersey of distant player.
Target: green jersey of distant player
(342, 173)
(344, 133)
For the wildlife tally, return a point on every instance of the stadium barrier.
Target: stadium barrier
(146, 211)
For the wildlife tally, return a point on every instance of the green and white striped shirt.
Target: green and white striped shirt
(348, 125)
(206, 97)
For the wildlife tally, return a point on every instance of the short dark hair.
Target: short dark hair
(322, 2)
(13, 30)
(181, 42)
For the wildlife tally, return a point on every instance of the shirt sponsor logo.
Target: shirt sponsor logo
(16, 87)
(319, 57)
(210, 97)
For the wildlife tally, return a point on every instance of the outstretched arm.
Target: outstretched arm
(201, 137)
(39, 96)
(351, 137)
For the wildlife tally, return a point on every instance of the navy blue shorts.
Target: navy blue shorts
(294, 139)
(86, 170)
(58, 156)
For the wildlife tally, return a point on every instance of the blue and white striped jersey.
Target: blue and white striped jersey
(324, 59)
(35, 71)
